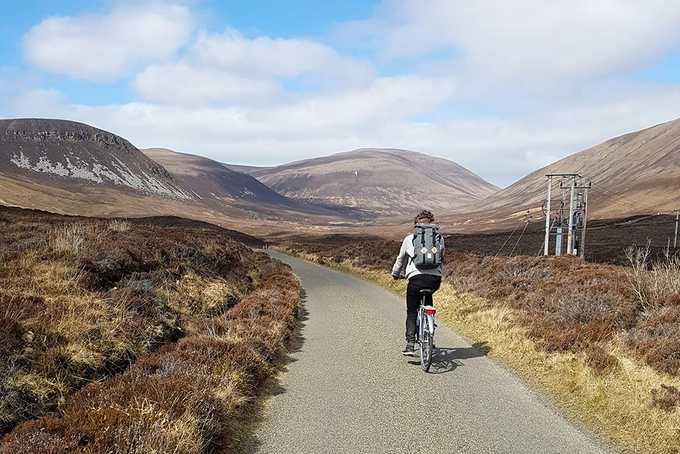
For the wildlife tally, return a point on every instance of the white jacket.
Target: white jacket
(405, 259)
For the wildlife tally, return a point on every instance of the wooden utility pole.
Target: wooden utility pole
(677, 217)
(570, 233)
(546, 246)
(585, 221)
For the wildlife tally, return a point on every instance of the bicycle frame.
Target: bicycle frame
(425, 321)
(425, 334)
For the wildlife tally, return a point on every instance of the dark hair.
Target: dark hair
(424, 217)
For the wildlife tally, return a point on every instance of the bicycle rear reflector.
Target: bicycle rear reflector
(430, 311)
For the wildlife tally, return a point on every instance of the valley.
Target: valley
(79, 200)
(380, 226)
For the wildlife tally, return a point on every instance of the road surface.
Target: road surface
(349, 389)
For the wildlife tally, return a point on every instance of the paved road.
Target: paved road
(349, 389)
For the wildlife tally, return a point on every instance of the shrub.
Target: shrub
(666, 397)
(600, 361)
(652, 284)
(189, 396)
(82, 299)
(656, 339)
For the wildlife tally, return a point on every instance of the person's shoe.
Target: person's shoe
(409, 350)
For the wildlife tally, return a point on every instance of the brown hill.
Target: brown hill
(636, 173)
(72, 168)
(214, 183)
(211, 179)
(73, 155)
(386, 181)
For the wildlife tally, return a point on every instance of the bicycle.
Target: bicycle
(425, 326)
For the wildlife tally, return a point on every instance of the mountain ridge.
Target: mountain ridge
(386, 180)
(68, 153)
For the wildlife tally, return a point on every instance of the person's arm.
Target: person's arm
(398, 268)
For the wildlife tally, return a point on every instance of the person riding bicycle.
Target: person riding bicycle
(419, 277)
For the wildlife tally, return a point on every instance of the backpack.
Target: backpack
(427, 246)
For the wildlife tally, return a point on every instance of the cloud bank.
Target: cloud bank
(502, 90)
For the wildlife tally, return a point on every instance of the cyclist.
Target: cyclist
(418, 279)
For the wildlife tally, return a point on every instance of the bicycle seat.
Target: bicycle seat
(426, 291)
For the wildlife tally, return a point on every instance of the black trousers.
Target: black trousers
(415, 285)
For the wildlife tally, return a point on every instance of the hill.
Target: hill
(385, 181)
(70, 154)
(211, 179)
(71, 168)
(636, 173)
(216, 184)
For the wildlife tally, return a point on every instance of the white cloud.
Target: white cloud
(104, 47)
(500, 149)
(45, 103)
(528, 41)
(230, 69)
(501, 89)
(281, 57)
(183, 84)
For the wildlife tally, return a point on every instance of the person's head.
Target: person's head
(424, 217)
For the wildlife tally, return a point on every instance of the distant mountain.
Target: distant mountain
(249, 170)
(74, 155)
(211, 179)
(216, 184)
(72, 168)
(385, 181)
(636, 173)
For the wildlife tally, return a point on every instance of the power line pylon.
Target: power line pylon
(576, 219)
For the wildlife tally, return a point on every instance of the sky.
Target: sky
(500, 87)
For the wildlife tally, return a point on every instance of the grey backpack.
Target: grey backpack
(427, 246)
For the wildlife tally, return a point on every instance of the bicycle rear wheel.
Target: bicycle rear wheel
(426, 349)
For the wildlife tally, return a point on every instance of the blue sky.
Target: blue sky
(502, 90)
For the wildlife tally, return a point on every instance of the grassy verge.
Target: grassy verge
(190, 396)
(603, 385)
(131, 337)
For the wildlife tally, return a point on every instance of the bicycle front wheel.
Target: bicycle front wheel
(426, 350)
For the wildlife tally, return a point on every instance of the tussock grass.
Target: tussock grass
(91, 313)
(119, 225)
(189, 396)
(653, 284)
(68, 238)
(586, 363)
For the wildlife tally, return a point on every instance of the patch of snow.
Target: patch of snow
(245, 192)
(21, 161)
(97, 173)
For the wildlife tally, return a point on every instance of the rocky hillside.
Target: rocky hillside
(66, 152)
(385, 181)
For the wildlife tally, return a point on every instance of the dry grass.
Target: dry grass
(69, 238)
(653, 284)
(81, 301)
(190, 396)
(576, 330)
(119, 225)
